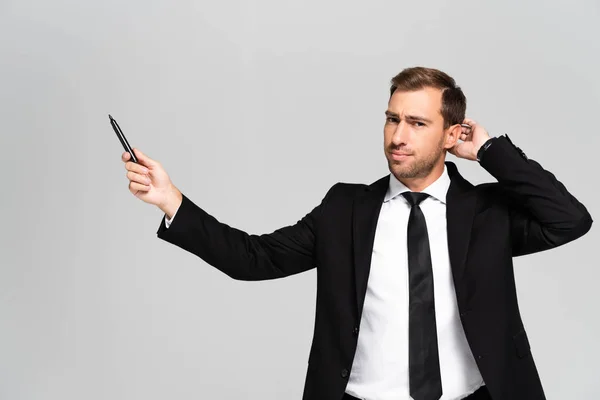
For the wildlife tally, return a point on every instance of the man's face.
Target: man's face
(414, 136)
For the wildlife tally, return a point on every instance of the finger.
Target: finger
(144, 159)
(139, 178)
(135, 167)
(134, 186)
(125, 156)
(471, 122)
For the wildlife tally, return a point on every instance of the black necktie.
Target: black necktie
(423, 356)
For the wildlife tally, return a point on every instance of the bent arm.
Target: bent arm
(544, 214)
(242, 256)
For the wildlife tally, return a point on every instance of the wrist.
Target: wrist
(173, 199)
(482, 148)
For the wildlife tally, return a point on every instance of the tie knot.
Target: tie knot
(415, 198)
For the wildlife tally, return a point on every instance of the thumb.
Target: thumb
(144, 159)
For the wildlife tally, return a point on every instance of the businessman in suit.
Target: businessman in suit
(416, 295)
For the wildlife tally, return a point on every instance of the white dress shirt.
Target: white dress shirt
(380, 366)
(168, 221)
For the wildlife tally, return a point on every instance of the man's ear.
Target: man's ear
(452, 134)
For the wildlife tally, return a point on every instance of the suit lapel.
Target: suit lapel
(366, 208)
(460, 209)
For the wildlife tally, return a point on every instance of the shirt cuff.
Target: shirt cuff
(169, 221)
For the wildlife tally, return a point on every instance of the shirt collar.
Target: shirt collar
(437, 189)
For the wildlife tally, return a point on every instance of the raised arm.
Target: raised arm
(544, 214)
(286, 251)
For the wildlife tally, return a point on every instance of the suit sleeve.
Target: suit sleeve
(242, 256)
(543, 214)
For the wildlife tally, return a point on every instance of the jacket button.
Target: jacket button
(344, 373)
(355, 330)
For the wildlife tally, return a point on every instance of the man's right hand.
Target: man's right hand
(149, 182)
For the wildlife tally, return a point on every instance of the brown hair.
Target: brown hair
(454, 102)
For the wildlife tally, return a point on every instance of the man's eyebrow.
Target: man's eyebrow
(418, 118)
(408, 117)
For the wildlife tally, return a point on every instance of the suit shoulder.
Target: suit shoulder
(350, 186)
(343, 191)
(487, 187)
(346, 189)
(491, 193)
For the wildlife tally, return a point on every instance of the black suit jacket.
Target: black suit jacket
(526, 211)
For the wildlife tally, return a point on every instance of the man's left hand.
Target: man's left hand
(471, 141)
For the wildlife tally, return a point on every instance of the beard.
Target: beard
(420, 167)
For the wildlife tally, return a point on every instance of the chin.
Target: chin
(401, 165)
(401, 169)
(404, 173)
(409, 170)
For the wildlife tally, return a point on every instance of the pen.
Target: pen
(122, 138)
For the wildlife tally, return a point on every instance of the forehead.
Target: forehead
(426, 102)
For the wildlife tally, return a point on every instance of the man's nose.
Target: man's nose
(401, 134)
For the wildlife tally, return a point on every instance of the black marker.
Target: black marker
(122, 138)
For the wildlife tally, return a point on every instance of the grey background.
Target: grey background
(255, 108)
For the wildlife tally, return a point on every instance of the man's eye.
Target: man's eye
(419, 124)
(391, 119)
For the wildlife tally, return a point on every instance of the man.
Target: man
(415, 288)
